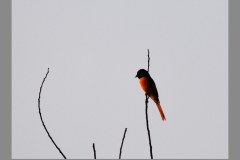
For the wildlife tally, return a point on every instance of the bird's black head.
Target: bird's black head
(142, 73)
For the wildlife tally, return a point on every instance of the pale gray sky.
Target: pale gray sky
(94, 50)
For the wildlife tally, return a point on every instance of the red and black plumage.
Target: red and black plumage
(142, 74)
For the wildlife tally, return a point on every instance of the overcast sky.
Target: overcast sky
(93, 50)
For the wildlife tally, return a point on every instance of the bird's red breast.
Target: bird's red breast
(143, 82)
(152, 92)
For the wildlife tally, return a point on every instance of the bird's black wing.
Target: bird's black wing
(153, 86)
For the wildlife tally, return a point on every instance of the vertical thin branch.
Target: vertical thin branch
(146, 110)
(122, 143)
(148, 61)
(42, 119)
(94, 151)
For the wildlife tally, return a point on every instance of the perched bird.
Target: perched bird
(142, 74)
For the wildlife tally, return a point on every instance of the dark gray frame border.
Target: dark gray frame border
(5, 85)
(234, 79)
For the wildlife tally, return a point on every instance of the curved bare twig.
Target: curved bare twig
(42, 119)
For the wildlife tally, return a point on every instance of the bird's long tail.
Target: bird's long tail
(161, 111)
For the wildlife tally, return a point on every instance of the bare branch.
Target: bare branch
(42, 119)
(146, 110)
(94, 151)
(122, 143)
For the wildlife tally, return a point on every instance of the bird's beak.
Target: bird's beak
(136, 76)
